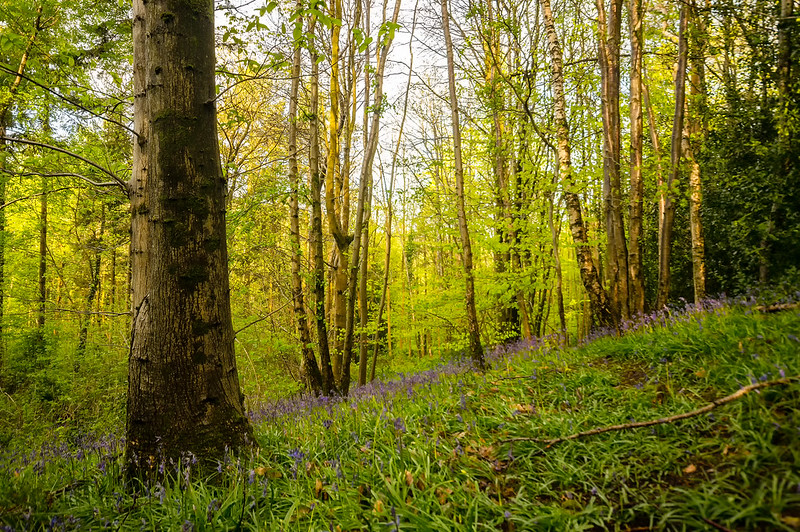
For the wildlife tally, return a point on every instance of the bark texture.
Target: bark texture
(328, 384)
(183, 385)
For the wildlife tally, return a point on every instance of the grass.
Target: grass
(431, 451)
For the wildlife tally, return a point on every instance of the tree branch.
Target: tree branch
(57, 94)
(119, 182)
(237, 331)
(662, 421)
(58, 174)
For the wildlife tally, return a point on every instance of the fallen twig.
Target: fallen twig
(778, 307)
(665, 420)
(716, 525)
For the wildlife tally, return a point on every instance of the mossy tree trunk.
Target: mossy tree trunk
(183, 385)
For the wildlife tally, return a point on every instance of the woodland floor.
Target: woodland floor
(450, 449)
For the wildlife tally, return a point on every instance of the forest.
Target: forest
(363, 265)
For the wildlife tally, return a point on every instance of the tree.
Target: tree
(309, 366)
(609, 32)
(589, 275)
(668, 193)
(183, 385)
(635, 266)
(475, 347)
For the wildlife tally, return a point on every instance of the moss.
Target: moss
(192, 275)
(199, 356)
(201, 328)
(212, 244)
(177, 233)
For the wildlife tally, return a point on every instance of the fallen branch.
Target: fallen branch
(662, 421)
(778, 307)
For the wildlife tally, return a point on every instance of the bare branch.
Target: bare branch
(70, 101)
(58, 174)
(12, 202)
(237, 331)
(665, 420)
(119, 182)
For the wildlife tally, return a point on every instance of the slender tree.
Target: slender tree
(668, 192)
(609, 24)
(693, 144)
(589, 275)
(635, 262)
(309, 366)
(475, 347)
(317, 245)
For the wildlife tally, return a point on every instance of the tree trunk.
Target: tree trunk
(328, 383)
(5, 120)
(609, 36)
(475, 348)
(95, 243)
(40, 320)
(557, 264)
(509, 325)
(308, 365)
(183, 385)
(635, 265)
(694, 142)
(668, 219)
(363, 194)
(589, 275)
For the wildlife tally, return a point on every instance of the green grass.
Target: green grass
(431, 452)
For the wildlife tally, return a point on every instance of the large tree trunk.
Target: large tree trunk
(668, 219)
(635, 265)
(183, 385)
(475, 347)
(309, 367)
(609, 35)
(589, 275)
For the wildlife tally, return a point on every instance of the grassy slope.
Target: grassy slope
(429, 451)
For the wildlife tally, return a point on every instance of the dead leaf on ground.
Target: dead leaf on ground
(442, 494)
(378, 508)
(791, 521)
(691, 468)
(409, 478)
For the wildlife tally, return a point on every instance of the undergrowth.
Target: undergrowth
(444, 449)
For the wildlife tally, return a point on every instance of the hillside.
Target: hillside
(450, 448)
